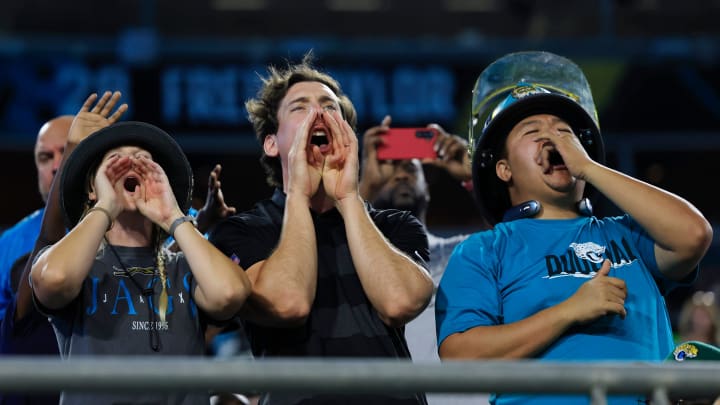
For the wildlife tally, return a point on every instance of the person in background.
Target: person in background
(331, 276)
(400, 184)
(213, 211)
(215, 208)
(699, 319)
(551, 281)
(17, 241)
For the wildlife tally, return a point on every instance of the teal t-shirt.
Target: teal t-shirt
(521, 267)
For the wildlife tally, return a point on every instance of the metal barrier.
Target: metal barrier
(597, 380)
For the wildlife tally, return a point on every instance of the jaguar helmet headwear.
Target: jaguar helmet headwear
(512, 88)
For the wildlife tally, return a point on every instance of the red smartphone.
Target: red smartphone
(408, 143)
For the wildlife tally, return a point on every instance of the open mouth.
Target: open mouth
(555, 159)
(319, 138)
(130, 183)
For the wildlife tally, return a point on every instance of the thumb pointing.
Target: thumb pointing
(604, 269)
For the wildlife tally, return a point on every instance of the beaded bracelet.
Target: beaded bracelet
(107, 214)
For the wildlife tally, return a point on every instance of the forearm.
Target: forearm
(222, 285)
(59, 273)
(49, 234)
(286, 282)
(23, 304)
(672, 222)
(52, 229)
(521, 339)
(397, 287)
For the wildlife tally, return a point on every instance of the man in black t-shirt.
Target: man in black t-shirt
(331, 276)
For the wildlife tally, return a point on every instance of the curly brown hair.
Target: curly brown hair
(263, 109)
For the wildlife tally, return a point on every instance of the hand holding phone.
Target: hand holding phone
(408, 143)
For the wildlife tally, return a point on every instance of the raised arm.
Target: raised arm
(682, 234)
(215, 208)
(58, 274)
(452, 155)
(398, 288)
(88, 120)
(372, 176)
(284, 284)
(222, 287)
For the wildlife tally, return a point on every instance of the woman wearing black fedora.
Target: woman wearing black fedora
(108, 286)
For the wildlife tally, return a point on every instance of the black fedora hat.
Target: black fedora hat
(87, 155)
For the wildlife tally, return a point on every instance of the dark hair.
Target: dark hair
(263, 109)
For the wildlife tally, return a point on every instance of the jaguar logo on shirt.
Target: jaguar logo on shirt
(585, 259)
(588, 251)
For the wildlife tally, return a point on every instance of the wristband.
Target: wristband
(107, 214)
(177, 222)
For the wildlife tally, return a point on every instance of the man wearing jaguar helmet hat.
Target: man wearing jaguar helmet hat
(551, 281)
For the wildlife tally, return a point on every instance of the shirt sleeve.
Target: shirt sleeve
(468, 294)
(64, 312)
(646, 249)
(5, 291)
(246, 239)
(406, 233)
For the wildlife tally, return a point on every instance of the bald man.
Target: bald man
(17, 241)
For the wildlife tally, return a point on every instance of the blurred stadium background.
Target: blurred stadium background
(188, 66)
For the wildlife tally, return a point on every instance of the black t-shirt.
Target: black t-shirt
(342, 321)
